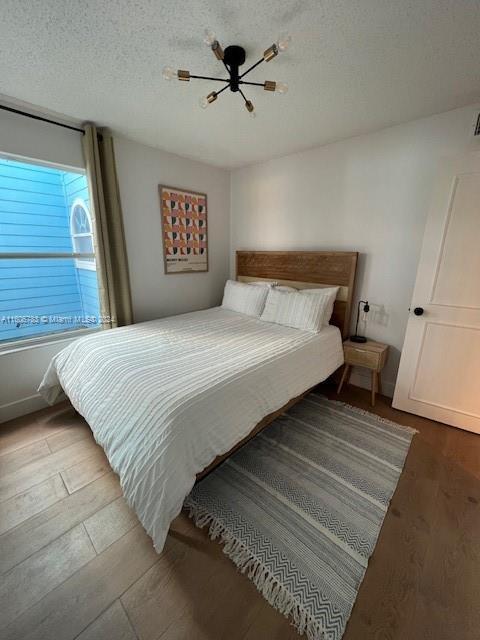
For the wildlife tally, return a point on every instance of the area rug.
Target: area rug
(299, 508)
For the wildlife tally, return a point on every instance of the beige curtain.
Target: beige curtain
(111, 254)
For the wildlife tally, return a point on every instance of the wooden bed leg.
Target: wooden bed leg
(374, 386)
(345, 377)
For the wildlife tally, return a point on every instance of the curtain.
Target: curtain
(109, 237)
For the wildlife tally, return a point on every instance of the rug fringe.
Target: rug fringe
(365, 412)
(271, 589)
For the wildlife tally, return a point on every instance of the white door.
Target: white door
(439, 375)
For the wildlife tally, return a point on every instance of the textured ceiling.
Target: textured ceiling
(353, 67)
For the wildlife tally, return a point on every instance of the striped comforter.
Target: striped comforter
(164, 398)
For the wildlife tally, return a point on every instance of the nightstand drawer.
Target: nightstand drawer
(362, 357)
(371, 355)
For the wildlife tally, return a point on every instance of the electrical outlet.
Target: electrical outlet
(381, 316)
(377, 315)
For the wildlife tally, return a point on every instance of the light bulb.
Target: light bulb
(281, 87)
(283, 41)
(169, 73)
(203, 102)
(252, 114)
(209, 37)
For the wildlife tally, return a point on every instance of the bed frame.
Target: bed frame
(301, 270)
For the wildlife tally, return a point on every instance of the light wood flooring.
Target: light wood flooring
(75, 562)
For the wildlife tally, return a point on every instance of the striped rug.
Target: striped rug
(299, 508)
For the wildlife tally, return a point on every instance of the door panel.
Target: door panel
(439, 374)
(460, 255)
(445, 350)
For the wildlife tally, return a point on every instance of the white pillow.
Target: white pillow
(295, 310)
(331, 293)
(243, 298)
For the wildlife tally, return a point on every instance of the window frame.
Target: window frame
(28, 342)
(44, 339)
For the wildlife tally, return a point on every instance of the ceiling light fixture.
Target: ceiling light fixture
(233, 57)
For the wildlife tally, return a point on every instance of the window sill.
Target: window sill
(41, 341)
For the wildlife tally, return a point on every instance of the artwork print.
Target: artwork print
(184, 229)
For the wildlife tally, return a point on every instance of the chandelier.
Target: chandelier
(233, 57)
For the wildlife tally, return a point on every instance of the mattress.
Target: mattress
(165, 398)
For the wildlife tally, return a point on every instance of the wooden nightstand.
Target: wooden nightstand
(371, 355)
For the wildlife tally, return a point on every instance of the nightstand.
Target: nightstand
(371, 355)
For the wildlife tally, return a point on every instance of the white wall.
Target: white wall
(20, 374)
(369, 194)
(140, 170)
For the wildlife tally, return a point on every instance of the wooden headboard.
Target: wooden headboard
(305, 269)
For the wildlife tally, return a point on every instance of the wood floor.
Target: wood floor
(75, 562)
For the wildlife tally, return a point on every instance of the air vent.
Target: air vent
(476, 131)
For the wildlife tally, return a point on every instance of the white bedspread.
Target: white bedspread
(164, 398)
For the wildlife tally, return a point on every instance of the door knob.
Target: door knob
(418, 311)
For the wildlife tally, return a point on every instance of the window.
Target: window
(82, 234)
(48, 280)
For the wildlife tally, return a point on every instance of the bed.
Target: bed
(169, 399)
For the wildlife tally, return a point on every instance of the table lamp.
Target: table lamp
(366, 309)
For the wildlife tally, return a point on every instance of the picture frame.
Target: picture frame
(184, 217)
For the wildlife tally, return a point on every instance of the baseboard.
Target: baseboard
(21, 407)
(363, 380)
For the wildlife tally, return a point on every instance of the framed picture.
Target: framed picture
(184, 230)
